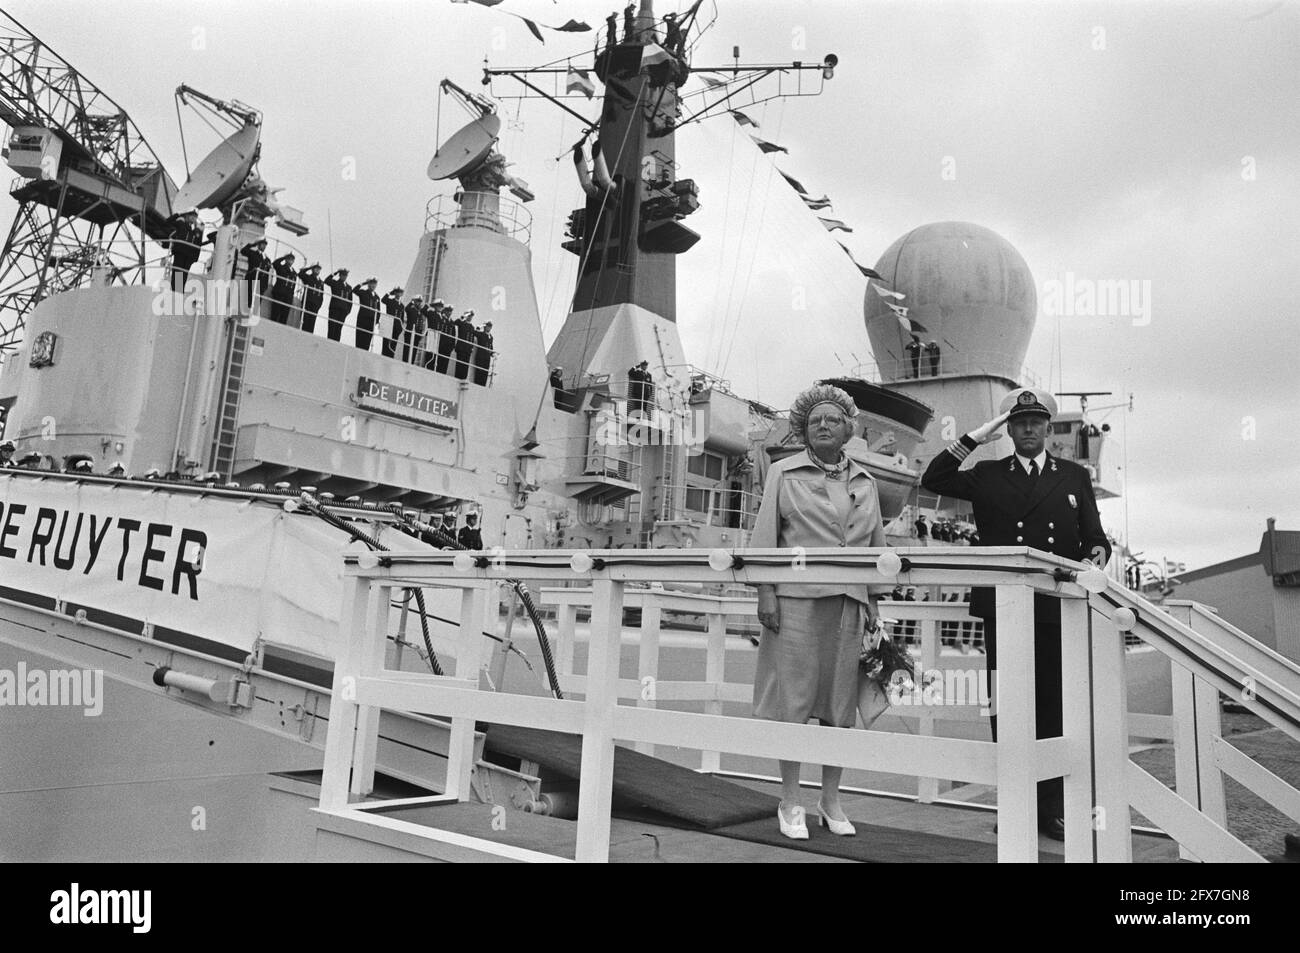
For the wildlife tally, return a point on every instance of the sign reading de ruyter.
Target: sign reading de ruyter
(403, 402)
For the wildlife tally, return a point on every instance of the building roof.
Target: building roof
(1230, 565)
(1279, 552)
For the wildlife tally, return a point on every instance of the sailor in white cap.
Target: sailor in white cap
(7, 451)
(1032, 499)
(117, 469)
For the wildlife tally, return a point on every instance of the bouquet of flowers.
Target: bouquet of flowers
(882, 659)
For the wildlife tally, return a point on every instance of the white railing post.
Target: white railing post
(648, 660)
(1110, 742)
(595, 795)
(469, 659)
(927, 789)
(343, 706)
(1187, 781)
(1076, 725)
(1209, 726)
(567, 623)
(714, 665)
(1016, 758)
(371, 658)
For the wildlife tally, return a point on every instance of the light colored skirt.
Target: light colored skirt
(810, 668)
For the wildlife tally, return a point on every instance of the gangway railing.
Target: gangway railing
(1100, 781)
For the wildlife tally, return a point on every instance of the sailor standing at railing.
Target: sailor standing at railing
(258, 271)
(812, 634)
(1029, 498)
(340, 303)
(393, 308)
(313, 294)
(184, 241)
(286, 283)
(367, 312)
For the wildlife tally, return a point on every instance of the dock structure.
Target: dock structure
(1103, 784)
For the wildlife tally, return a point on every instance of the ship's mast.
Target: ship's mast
(630, 231)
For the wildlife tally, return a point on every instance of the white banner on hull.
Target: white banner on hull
(219, 568)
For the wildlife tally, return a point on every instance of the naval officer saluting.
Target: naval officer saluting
(1030, 498)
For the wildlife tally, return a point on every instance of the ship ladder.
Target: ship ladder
(225, 432)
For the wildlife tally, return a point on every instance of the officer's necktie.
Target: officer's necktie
(1033, 471)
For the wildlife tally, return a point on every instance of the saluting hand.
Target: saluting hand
(987, 432)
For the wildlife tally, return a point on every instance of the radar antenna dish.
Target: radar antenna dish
(222, 172)
(466, 149)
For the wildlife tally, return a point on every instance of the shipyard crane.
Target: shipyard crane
(91, 192)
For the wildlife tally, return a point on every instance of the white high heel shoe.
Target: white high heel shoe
(797, 828)
(843, 828)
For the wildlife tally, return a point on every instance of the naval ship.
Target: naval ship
(170, 555)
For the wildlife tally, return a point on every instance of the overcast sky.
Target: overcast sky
(1134, 142)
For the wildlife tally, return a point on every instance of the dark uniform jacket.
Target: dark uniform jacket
(313, 291)
(368, 301)
(1057, 513)
(340, 296)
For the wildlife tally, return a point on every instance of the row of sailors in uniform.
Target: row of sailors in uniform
(411, 331)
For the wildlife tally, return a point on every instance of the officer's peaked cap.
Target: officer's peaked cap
(1029, 400)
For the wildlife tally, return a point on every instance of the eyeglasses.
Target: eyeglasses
(820, 420)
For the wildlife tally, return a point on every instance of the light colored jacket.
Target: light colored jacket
(798, 511)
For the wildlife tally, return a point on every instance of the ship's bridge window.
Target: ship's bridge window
(1061, 428)
(707, 465)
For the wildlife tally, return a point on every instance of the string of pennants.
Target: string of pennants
(909, 325)
(535, 28)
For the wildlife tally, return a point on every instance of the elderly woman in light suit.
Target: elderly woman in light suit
(812, 634)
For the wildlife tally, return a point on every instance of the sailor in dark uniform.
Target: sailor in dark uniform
(286, 283)
(367, 312)
(464, 343)
(413, 321)
(313, 294)
(340, 303)
(672, 34)
(914, 348)
(258, 270)
(482, 359)
(432, 325)
(446, 343)
(438, 327)
(394, 309)
(1030, 498)
(469, 535)
(932, 357)
(184, 242)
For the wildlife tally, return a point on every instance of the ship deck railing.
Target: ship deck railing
(1102, 784)
(490, 211)
(950, 364)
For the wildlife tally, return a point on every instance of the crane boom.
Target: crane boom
(92, 191)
